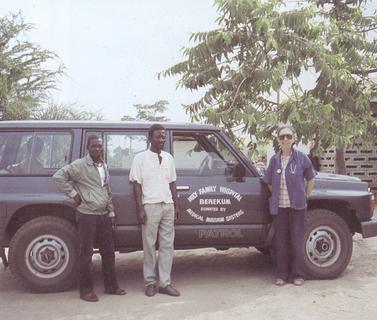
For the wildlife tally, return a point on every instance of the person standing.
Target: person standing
(285, 176)
(86, 180)
(153, 176)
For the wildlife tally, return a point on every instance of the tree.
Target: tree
(24, 76)
(149, 112)
(261, 48)
(55, 111)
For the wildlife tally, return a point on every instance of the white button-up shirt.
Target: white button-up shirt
(153, 176)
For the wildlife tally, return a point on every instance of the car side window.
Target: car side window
(56, 151)
(31, 153)
(121, 148)
(201, 155)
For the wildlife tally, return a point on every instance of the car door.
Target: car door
(120, 147)
(220, 207)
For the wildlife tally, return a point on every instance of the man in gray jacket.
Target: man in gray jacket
(86, 180)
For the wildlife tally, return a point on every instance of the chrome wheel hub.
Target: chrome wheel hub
(323, 246)
(47, 256)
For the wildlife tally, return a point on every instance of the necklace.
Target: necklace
(292, 166)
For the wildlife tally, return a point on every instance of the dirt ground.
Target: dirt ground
(234, 284)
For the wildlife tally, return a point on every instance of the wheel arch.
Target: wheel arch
(30, 212)
(341, 208)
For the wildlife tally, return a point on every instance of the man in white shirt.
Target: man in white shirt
(153, 176)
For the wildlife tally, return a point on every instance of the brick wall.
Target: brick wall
(360, 163)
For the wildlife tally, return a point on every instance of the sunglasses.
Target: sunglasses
(283, 136)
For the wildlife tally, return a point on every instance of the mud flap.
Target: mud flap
(270, 235)
(4, 258)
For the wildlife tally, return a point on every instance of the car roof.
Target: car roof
(45, 124)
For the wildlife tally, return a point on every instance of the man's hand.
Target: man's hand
(114, 222)
(77, 199)
(173, 190)
(141, 216)
(177, 212)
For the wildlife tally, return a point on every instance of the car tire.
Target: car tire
(43, 254)
(327, 244)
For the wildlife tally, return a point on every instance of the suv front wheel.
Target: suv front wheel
(43, 254)
(327, 244)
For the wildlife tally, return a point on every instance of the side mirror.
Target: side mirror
(239, 172)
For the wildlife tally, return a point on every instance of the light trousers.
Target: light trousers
(159, 227)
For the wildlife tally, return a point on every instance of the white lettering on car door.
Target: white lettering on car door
(214, 208)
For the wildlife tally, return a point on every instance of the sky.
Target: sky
(113, 49)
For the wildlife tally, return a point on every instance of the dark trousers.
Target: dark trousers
(96, 229)
(289, 243)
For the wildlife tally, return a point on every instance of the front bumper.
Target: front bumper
(369, 228)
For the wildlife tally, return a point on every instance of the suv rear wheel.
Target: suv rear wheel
(43, 254)
(327, 244)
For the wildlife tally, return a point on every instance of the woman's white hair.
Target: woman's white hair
(286, 126)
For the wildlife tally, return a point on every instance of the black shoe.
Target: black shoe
(169, 290)
(90, 296)
(150, 290)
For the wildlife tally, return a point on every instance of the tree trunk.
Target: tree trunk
(340, 162)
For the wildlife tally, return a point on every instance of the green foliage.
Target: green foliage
(149, 112)
(261, 47)
(24, 76)
(55, 111)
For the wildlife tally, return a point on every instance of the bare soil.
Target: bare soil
(234, 284)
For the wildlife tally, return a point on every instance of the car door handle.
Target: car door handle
(183, 188)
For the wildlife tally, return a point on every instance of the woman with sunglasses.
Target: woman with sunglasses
(289, 177)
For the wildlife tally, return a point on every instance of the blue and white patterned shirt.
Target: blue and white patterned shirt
(298, 171)
(283, 195)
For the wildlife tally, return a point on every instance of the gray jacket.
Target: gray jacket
(82, 177)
